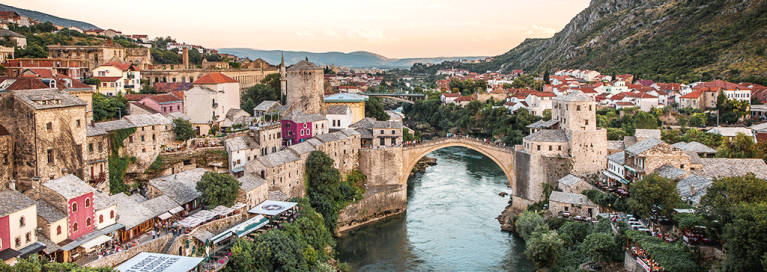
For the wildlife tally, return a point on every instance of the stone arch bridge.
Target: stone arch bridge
(502, 156)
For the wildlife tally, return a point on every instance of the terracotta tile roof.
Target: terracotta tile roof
(179, 94)
(164, 87)
(587, 90)
(164, 98)
(42, 72)
(125, 66)
(695, 94)
(544, 94)
(716, 84)
(463, 98)
(136, 97)
(108, 79)
(214, 78)
(27, 83)
(451, 94)
(640, 95)
(623, 103)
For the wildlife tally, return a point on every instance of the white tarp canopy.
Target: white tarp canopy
(165, 216)
(157, 262)
(88, 246)
(272, 208)
(176, 209)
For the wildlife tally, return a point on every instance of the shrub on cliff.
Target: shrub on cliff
(527, 223)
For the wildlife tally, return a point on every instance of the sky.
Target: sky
(393, 28)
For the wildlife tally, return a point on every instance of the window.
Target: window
(130, 139)
(383, 141)
(74, 207)
(111, 214)
(578, 107)
(288, 125)
(28, 237)
(22, 222)
(87, 202)
(154, 138)
(550, 147)
(88, 222)
(103, 84)
(50, 156)
(48, 126)
(393, 132)
(382, 132)
(589, 107)
(77, 122)
(302, 132)
(101, 219)
(90, 147)
(74, 227)
(100, 147)
(18, 241)
(102, 73)
(142, 138)
(559, 148)
(58, 230)
(539, 147)
(304, 125)
(681, 166)
(587, 122)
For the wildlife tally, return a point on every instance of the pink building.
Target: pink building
(163, 103)
(71, 194)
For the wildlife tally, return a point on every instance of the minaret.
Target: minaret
(283, 78)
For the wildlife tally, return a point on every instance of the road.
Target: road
(394, 115)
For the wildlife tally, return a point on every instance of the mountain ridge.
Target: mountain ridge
(44, 17)
(355, 59)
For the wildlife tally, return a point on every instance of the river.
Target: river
(450, 223)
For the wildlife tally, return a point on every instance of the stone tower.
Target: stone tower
(305, 87)
(283, 79)
(576, 113)
(185, 57)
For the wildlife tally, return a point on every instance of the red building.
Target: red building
(71, 194)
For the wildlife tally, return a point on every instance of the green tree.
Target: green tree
(406, 136)
(745, 238)
(518, 83)
(217, 189)
(599, 247)
(697, 120)
(183, 129)
(255, 95)
(528, 222)
(108, 107)
(574, 232)
(721, 99)
(643, 120)
(544, 248)
(654, 191)
(546, 77)
(546, 114)
(374, 109)
(741, 147)
(326, 193)
(725, 193)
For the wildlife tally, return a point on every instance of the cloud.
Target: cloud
(330, 32)
(373, 35)
(305, 33)
(545, 29)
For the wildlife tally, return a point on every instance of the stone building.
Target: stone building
(213, 95)
(269, 137)
(72, 68)
(180, 187)
(175, 73)
(6, 158)
(339, 116)
(574, 204)
(95, 55)
(343, 148)
(305, 88)
(152, 132)
(576, 113)
(375, 134)
(644, 157)
(573, 184)
(48, 129)
(253, 190)
(97, 158)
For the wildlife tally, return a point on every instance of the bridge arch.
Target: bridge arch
(502, 156)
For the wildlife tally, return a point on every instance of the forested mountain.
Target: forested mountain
(352, 59)
(660, 39)
(44, 17)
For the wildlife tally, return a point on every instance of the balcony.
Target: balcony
(130, 86)
(96, 179)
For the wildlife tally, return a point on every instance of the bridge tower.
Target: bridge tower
(305, 87)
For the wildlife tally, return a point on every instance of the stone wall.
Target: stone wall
(154, 246)
(588, 149)
(522, 171)
(175, 73)
(146, 144)
(379, 202)
(306, 91)
(6, 161)
(381, 166)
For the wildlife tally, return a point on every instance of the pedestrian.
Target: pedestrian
(153, 233)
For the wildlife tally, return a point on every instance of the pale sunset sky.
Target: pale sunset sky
(393, 28)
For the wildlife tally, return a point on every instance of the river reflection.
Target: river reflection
(450, 224)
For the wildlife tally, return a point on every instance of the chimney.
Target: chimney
(692, 190)
(93, 123)
(185, 56)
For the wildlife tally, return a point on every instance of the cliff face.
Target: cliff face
(665, 39)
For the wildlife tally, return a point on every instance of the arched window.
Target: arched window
(101, 219)
(88, 222)
(74, 227)
(58, 230)
(74, 207)
(22, 222)
(87, 202)
(111, 214)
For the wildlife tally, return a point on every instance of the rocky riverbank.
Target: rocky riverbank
(420, 166)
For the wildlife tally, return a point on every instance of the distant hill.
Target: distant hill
(43, 17)
(663, 40)
(358, 59)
